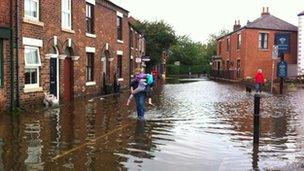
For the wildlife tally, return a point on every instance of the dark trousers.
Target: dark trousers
(140, 104)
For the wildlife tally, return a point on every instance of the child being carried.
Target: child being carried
(141, 80)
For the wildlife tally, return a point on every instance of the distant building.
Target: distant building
(248, 48)
(301, 44)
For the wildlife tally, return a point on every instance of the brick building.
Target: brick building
(6, 53)
(70, 48)
(137, 46)
(248, 48)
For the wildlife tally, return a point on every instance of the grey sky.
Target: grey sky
(199, 18)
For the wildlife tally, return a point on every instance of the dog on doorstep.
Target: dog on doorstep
(50, 100)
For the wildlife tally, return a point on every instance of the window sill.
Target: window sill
(265, 50)
(91, 35)
(92, 83)
(120, 41)
(120, 79)
(68, 30)
(33, 22)
(32, 89)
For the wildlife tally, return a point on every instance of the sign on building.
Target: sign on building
(282, 41)
(282, 69)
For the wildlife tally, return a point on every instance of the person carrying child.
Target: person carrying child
(138, 86)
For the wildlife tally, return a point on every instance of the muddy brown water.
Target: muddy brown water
(201, 125)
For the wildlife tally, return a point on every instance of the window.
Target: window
(136, 40)
(227, 44)
(263, 40)
(119, 28)
(119, 66)
(131, 39)
(239, 41)
(31, 9)
(32, 64)
(66, 14)
(220, 47)
(90, 18)
(90, 67)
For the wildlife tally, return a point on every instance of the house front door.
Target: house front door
(53, 77)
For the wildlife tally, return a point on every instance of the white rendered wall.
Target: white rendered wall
(301, 46)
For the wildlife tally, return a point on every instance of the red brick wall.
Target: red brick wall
(105, 30)
(251, 57)
(4, 12)
(5, 95)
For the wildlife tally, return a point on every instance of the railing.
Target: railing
(225, 74)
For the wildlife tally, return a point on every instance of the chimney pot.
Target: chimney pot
(267, 9)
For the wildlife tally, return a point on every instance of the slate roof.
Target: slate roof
(271, 22)
(302, 13)
(267, 22)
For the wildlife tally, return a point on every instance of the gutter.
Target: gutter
(12, 105)
(17, 56)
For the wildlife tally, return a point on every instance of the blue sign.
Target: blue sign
(282, 69)
(282, 41)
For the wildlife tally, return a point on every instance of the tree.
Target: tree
(159, 36)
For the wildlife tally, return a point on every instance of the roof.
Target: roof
(112, 4)
(267, 22)
(132, 22)
(302, 13)
(272, 23)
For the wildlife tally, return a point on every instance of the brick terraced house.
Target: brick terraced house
(248, 48)
(137, 46)
(70, 48)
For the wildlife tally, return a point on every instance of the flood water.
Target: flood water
(201, 125)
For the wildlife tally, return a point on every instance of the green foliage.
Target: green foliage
(183, 69)
(173, 69)
(159, 38)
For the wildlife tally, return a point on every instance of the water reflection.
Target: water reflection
(200, 125)
(34, 146)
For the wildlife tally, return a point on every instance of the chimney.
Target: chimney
(237, 25)
(265, 12)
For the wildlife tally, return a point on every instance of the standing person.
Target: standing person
(259, 81)
(139, 96)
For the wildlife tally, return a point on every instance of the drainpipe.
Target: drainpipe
(12, 105)
(17, 54)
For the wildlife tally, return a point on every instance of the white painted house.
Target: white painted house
(301, 44)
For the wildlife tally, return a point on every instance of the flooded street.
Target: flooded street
(201, 125)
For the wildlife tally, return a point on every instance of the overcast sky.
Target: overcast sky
(199, 18)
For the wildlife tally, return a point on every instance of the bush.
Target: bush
(173, 69)
(183, 69)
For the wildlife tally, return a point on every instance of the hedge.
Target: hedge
(183, 69)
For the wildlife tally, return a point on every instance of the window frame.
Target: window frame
(29, 16)
(220, 47)
(32, 66)
(90, 18)
(119, 29)
(90, 65)
(239, 41)
(228, 44)
(68, 11)
(262, 42)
